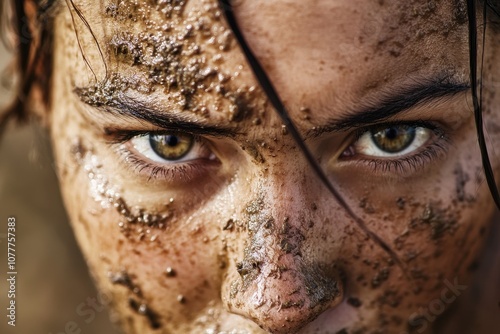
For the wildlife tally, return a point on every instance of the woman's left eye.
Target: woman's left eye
(391, 141)
(170, 148)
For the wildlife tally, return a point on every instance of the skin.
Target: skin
(253, 242)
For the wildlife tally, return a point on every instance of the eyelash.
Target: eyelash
(438, 147)
(179, 172)
(187, 171)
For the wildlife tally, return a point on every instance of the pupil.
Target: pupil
(172, 141)
(391, 133)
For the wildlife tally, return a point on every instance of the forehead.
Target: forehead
(312, 25)
(357, 40)
(183, 47)
(178, 54)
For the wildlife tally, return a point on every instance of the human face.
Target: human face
(194, 206)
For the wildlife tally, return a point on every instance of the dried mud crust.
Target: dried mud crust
(174, 51)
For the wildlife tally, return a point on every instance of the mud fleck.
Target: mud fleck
(176, 53)
(254, 153)
(319, 285)
(439, 220)
(144, 310)
(170, 272)
(123, 278)
(401, 202)
(229, 226)
(381, 276)
(109, 196)
(461, 180)
(284, 130)
(354, 302)
(181, 299)
(78, 151)
(391, 298)
(366, 206)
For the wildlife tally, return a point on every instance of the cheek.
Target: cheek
(436, 226)
(160, 266)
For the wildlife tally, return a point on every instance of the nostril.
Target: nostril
(246, 268)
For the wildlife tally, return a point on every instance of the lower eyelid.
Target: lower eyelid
(412, 163)
(171, 173)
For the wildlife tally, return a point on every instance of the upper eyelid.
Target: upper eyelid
(116, 136)
(419, 123)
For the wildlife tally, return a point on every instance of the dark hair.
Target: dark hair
(477, 87)
(24, 23)
(34, 67)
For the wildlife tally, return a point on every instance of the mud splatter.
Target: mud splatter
(181, 299)
(401, 202)
(136, 222)
(178, 53)
(137, 304)
(439, 220)
(391, 298)
(319, 286)
(144, 310)
(257, 218)
(254, 153)
(229, 226)
(381, 276)
(460, 182)
(170, 272)
(123, 278)
(460, 11)
(366, 206)
(354, 302)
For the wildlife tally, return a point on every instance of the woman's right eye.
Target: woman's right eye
(170, 148)
(169, 156)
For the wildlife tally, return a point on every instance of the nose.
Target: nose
(282, 282)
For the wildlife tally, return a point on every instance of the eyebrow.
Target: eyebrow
(370, 112)
(125, 106)
(390, 104)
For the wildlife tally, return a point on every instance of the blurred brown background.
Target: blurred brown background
(52, 280)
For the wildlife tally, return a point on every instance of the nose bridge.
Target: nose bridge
(276, 282)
